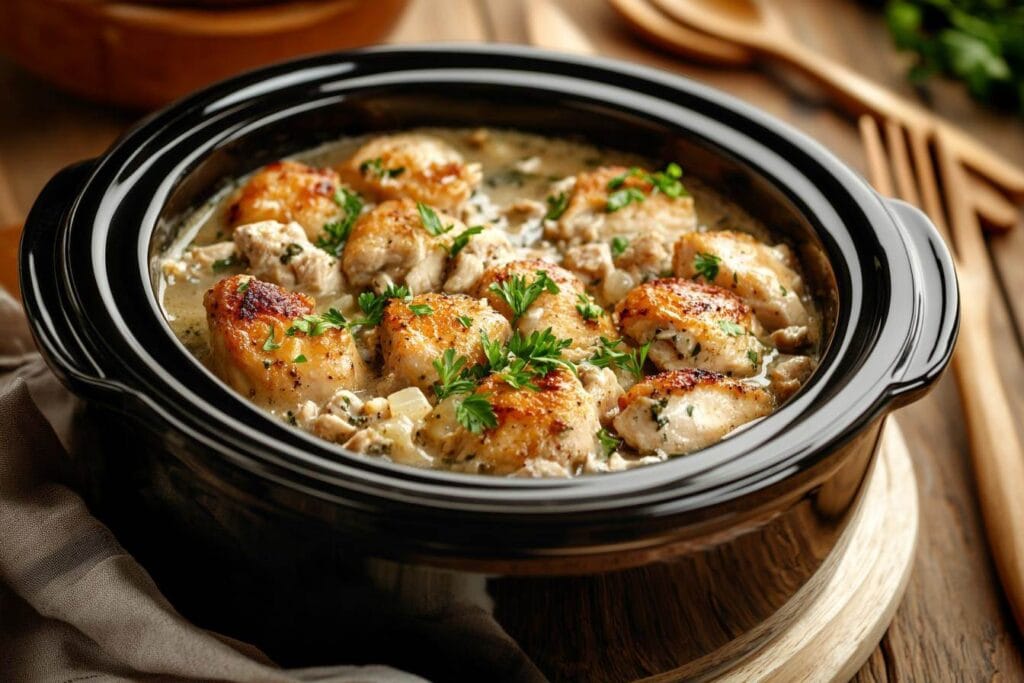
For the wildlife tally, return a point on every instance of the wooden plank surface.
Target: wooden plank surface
(953, 624)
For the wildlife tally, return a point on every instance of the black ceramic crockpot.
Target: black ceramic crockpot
(270, 535)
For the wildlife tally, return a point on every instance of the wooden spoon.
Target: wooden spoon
(652, 25)
(759, 27)
(548, 26)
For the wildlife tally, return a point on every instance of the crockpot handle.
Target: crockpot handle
(936, 299)
(44, 283)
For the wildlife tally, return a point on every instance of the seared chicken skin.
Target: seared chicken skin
(415, 333)
(547, 432)
(589, 217)
(692, 325)
(252, 352)
(287, 191)
(391, 244)
(558, 311)
(414, 165)
(682, 411)
(281, 253)
(763, 276)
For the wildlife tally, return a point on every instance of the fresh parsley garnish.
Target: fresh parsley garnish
(619, 245)
(732, 329)
(609, 442)
(223, 263)
(475, 413)
(290, 252)
(430, 220)
(462, 239)
(421, 310)
(270, 344)
(754, 358)
(453, 375)
(299, 359)
(689, 411)
(610, 355)
(657, 413)
(519, 375)
(622, 198)
(520, 294)
(465, 321)
(372, 305)
(587, 308)
(706, 266)
(242, 286)
(337, 232)
(557, 204)
(315, 325)
(376, 167)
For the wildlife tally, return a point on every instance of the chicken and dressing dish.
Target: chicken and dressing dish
(492, 302)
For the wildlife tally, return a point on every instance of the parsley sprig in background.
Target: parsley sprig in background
(980, 42)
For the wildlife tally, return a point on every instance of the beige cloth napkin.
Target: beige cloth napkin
(73, 605)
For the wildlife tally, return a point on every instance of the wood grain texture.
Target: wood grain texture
(952, 624)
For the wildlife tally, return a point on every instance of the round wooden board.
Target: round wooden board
(836, 631)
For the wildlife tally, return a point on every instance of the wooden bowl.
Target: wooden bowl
(146, 55)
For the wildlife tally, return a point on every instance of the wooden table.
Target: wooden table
(953, 623)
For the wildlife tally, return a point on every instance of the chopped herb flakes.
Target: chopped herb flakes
(299, 359)
(667, 182)
(375, 167)
(242, 286)
(520, 295)
(290, 252)
(689, 411)
(732, 329)
(453, 374)
(557, 204)
(315, 325)
(706, 266)
(619, 245)
(657, 413)
(754, 358)
(223, 263)
(336, 232)
(372, 305)
(587, 308)
(465, 321)
(622, 198)
(270, 344)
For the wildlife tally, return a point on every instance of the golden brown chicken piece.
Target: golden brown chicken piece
(682, 411)
(538, 433)
(412, 165)
(590, 218)
(560, 311)
(415, 333)
(764, 276)
(287, 191)
(693, 325)
(392, 244)
(253, 352)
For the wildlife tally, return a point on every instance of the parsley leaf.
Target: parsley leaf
(619, 245)
(315, 325)
(609, 355)
(465, 321)
(242, 286)
(706, 265)
(421, 310)
(337, 232)
(453, 376)
(463, 239)
(557, 204)
(376, 167)
(609, 442)
(587, 308)
(299, 359)
(667, 182)
(430, 220)
(622, 198)
(732, 329)
(519, 295)
(476, 414)
(270, 344)
(519, 374)
(372, 305)
(290, 252)
(542, 350)
(754, 358)
(223, 263)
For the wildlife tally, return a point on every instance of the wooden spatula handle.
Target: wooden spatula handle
(998, 458)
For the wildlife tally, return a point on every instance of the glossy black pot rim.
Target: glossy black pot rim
(123, 354)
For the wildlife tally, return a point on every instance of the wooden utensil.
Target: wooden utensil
(759, 27)
(996, 452)
(652, 24)
(548, 26)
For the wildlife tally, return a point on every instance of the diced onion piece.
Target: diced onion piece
(616, 285)
(409, 402)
